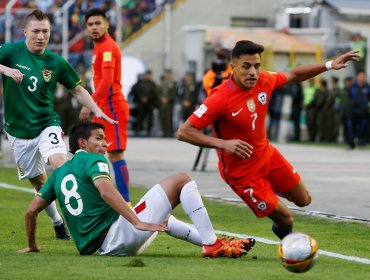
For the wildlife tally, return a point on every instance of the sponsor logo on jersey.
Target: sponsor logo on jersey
(201, 110)
(47, 75)
(107, 56)
(23, 67)
(262, 98)
(251, 105)
(262, 206)
(103, 167)
(236, 113)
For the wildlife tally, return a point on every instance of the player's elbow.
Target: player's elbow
(180, 134)
(184, 131)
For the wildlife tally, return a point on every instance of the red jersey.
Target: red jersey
(239, 114)
(107, 54)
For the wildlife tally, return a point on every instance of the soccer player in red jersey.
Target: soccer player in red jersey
(237, 109)
(106, 66)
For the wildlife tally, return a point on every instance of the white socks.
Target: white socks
(52, 212)
(194, 208)
(184, 231)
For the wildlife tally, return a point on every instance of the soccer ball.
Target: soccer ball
(298, 252)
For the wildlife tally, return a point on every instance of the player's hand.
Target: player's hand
(341, 61)
(15, 74)
(150, 227)
(238, 147)
(84, 113)
(103, 116)
(29, 250)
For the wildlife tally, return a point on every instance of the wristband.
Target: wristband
(329, 65)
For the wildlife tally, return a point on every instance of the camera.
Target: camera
(218, 66)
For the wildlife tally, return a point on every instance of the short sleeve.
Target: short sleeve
(68, 76)
(208, 112)
(98, 167)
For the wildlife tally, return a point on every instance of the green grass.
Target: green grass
(169, 258)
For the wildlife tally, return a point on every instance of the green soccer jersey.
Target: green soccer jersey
(28, 106)
(85, 212)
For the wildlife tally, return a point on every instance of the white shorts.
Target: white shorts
(123, 239)
(31, 155)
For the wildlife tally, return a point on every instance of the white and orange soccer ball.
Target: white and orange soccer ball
(298, 252)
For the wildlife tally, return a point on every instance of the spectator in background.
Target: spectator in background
(348, 81)
(310, 109)
(320, 101)
(145, 94)
(167, 93)
(335, 109)
(295, 91)
(187, 95)
(358, 120)
(359, 44)
(275, 111)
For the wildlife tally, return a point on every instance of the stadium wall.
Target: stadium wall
(151, 46)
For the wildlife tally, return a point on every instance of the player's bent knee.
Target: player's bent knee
(304, 200)
(183, 177)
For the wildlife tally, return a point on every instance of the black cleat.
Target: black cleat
(61, 232)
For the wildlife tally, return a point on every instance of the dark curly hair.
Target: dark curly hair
(81, 130)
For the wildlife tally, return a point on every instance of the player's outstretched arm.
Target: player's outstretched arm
(37, 205)
(307, 71)
(188, 133)
(110, 194)
(85, 99)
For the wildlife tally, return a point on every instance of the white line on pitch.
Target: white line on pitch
(272, 242)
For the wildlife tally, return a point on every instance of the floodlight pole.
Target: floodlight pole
(8, 20)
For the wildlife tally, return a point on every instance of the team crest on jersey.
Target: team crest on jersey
(262, 98)
(262, 206)
(93, 58)
(47, 75)
(251, 105)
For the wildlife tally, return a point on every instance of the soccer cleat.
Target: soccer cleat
(61, 232)
(223, 248)
(245, 244)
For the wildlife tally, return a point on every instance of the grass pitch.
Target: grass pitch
(169, 258)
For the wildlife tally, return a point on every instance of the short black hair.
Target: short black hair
(37, 15)
(81, 130)
(246, 47)
(95, 12)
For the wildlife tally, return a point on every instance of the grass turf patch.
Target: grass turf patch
(169, 258)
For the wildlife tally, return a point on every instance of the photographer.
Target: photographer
(219, 72)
